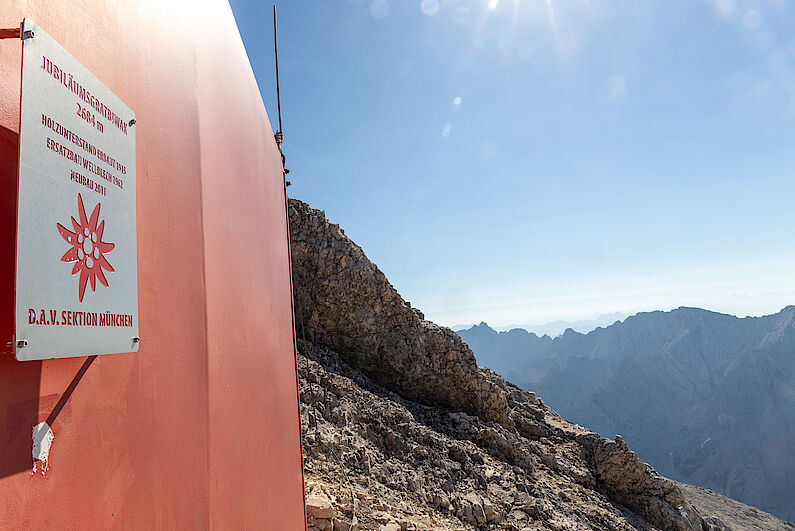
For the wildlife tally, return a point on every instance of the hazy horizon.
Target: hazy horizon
(589, 323)
(602, 317)
(737, 305)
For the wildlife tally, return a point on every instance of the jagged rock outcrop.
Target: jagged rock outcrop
(725, 513)
(398, 418)
(343, 301)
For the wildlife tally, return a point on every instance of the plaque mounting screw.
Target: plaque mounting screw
(133, 122)
(28, 34)
(22, 343)
(136, 340)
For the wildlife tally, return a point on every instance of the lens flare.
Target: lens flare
(430, 7)
(456, 105)
(379, 9)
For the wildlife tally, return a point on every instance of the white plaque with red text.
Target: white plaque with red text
(76, 272)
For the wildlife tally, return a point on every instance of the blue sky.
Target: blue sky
(522, 161)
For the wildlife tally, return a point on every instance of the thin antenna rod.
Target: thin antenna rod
(278, 98)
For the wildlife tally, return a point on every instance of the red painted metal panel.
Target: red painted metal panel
(9, 142)
(200, 428)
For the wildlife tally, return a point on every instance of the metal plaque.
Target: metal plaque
(76, 263)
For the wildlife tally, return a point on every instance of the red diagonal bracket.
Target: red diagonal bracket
(9, 33)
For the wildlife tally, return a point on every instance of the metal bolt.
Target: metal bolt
(132, 122)
(22, 343)
(28, 35)
(136, 340)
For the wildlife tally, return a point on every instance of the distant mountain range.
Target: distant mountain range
(556, 328)
(706, 398)
(397, 416)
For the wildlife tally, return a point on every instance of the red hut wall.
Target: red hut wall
(200, 428)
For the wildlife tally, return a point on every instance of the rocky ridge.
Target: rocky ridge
(343, 301)
(402, 429)
(706, 398)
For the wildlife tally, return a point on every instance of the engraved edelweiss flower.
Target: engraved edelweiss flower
(88, 250)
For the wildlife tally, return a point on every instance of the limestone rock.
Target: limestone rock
(403, 429)
(343, 301)
(319, 507)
